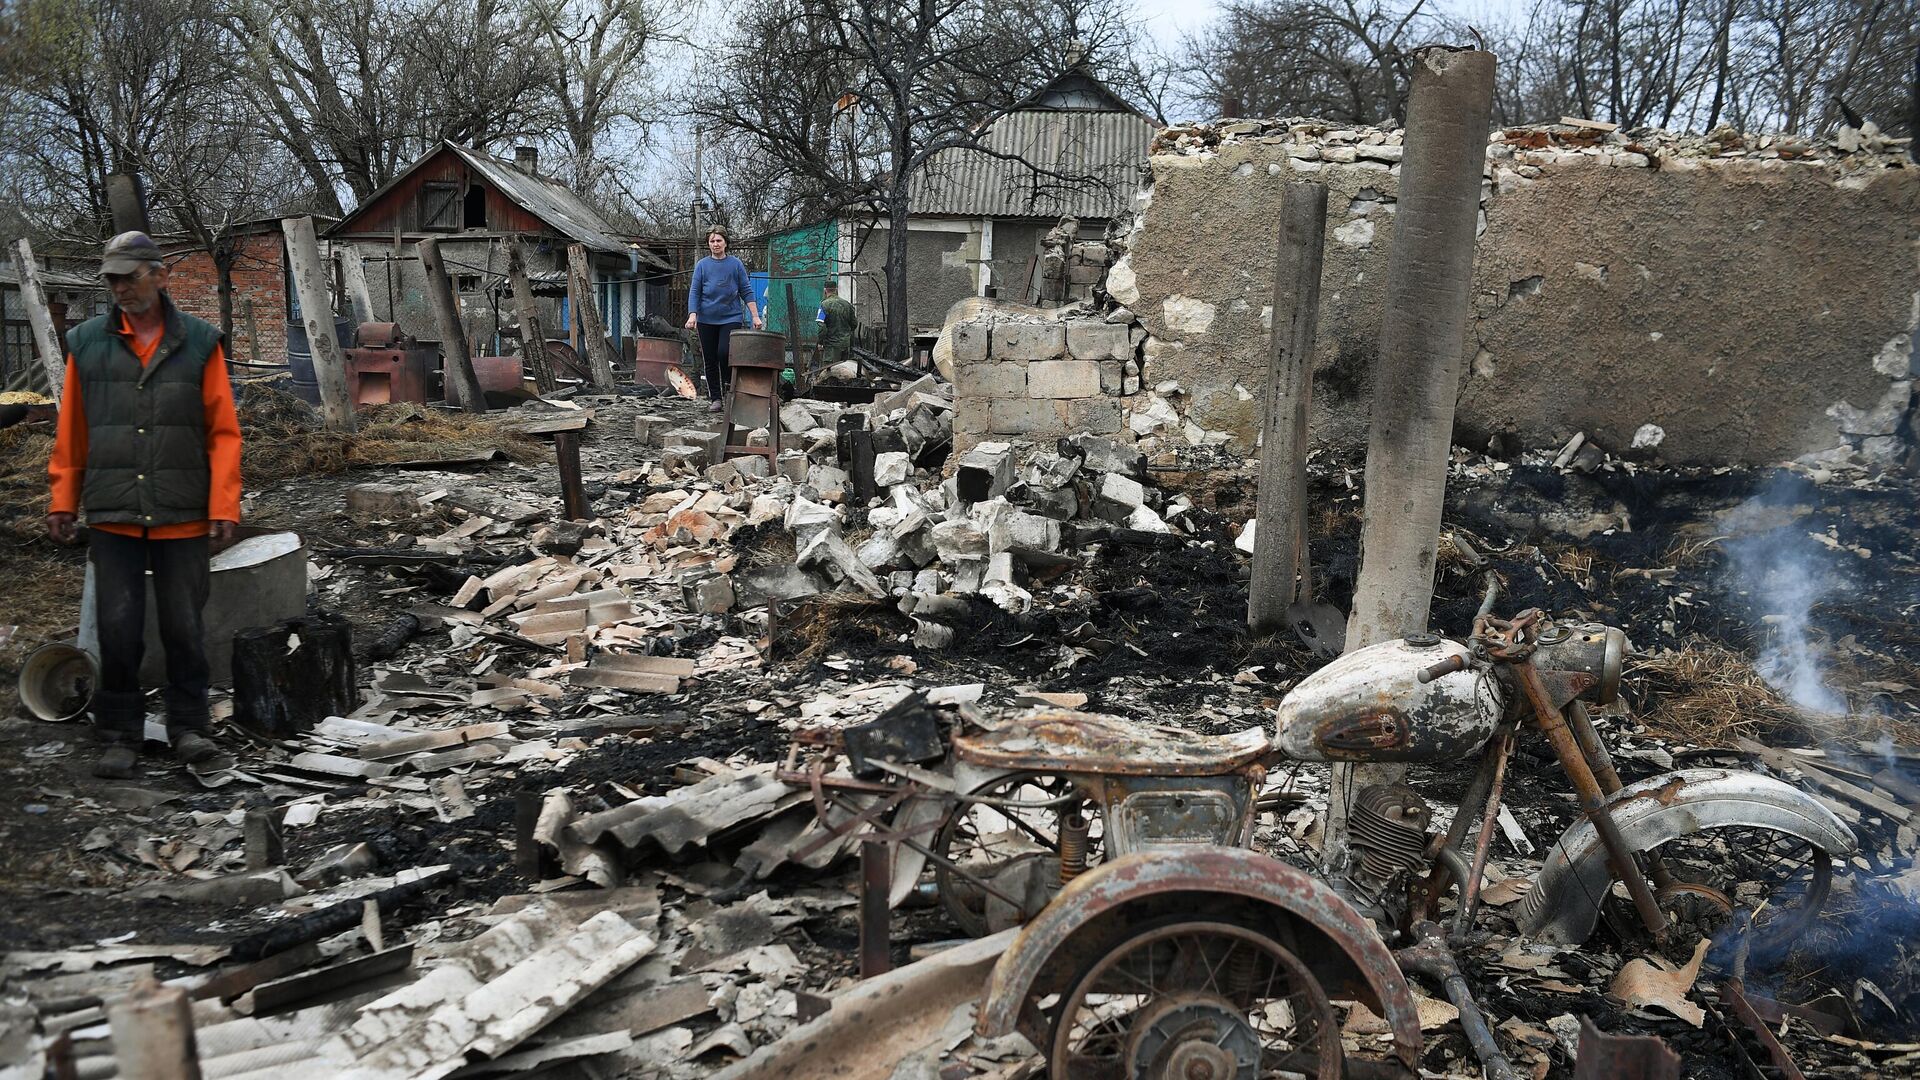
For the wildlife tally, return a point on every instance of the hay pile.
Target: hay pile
(1708, 695)
(282, 437)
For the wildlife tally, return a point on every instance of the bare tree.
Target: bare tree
(598, 72)
(1343, 60)
(866, 94)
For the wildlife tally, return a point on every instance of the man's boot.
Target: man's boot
(119, 718)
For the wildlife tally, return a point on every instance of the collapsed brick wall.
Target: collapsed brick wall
(259, 280)
(1728, 298)
(1035, 377)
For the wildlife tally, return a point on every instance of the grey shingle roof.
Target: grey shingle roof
(1108, 146)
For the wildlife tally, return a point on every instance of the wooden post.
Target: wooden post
(463, 386)
(45, 340)
(153, 1033)
(1279, 541)
(353, 272)
(533, 339)
(876, 878)
(586, 315)
(127, 200)
(316, 310)
(573, 493)
(1422, 337)
(793, 334)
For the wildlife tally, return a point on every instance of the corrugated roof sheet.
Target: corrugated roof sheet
(1110, 147)
(49, 279)
(553, 203)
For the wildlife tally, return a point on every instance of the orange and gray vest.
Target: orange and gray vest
(146, 425)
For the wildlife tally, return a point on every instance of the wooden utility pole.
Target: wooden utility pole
(353, 273)
(1280, 566)
(463, 386)
(316, 311)
(127, 200)
(1422, 338)
(594, 347)
(46, 341)
(533, 338)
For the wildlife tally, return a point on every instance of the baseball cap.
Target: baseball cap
(129, 253)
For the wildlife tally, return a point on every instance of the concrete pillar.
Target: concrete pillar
(1280, 548)
(1422, 344)
(153, 1034)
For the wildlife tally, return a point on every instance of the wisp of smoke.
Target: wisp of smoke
(1783, 569)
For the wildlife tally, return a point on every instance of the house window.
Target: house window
(467, 283)
(440, 206)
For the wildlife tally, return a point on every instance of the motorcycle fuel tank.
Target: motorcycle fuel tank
(1370, 705)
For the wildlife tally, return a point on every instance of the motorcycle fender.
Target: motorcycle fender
(1564, 903)
(908, 864)
(1104, 906)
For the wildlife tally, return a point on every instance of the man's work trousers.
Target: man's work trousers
(180, 579)
(715, 342)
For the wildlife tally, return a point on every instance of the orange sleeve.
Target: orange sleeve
(223, 439)
(67, 466)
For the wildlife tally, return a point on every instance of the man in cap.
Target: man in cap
(148, 446)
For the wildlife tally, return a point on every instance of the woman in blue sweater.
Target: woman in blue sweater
(714, 297)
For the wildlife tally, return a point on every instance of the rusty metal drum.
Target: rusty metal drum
(1370, 705)
(757, 349)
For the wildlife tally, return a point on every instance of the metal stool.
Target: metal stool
(755, 358)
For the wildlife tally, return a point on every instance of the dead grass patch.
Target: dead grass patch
(282, 437)
(1709, 695)
(822, 624)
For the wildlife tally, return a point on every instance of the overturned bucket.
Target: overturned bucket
(57, 681)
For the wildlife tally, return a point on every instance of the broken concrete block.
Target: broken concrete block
(796, 417)
(648, 430)
(901, 398)
(900, 582)
(999, 570)
(984, 472)
(969, 340)
(377, 501)
(763, 585)
(1023, 533)
(804, 516)
(766, 508)
(879, 552)
(828, 553)
(928, 581)
(713, 443)
(1060, 504)
(958, 539)
(1883, 419)
(1106, 455)
(932, 635)
(1063, 379)
(1245, 541)
(1023, 340)
(710, 595)
(1145, 520)
(829, 480)
(722, 474)
(1117, 495)
(926, 430)
(793, 465)
(753, 466)
(891, 468)
(1883, 451)
(968, 574)
(682, 458)
(1050, 472)
(1091, 340)
(884, 518)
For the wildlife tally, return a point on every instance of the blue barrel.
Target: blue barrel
(306, 386)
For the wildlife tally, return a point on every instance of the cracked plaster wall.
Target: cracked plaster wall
(1751, 309)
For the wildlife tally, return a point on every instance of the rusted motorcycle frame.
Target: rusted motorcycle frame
(1417, 699)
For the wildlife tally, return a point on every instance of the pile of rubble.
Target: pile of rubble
(1571, 141)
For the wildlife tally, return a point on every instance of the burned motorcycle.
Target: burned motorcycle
(1160, 946)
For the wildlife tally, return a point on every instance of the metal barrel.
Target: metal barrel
(306, 385)
(756, 348)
